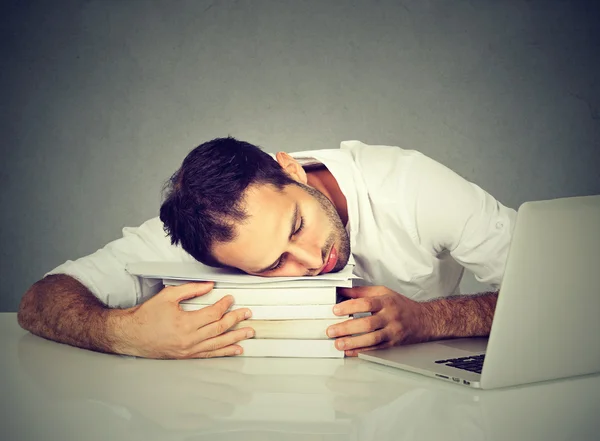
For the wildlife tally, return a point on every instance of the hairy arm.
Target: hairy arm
(60, 308)
(460, 316)
(396, 319)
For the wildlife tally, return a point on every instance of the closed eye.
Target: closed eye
(300, 227)
(282, 259)
(279, 263)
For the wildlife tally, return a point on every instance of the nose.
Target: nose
(308, 255)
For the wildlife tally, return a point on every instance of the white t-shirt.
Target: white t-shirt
(414, 226)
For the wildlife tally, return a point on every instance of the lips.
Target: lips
(331, 261)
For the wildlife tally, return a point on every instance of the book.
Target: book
(195, 271)
(278, 312)
(290, 348)
(270, 296)
(290, 315)
(299, 283)
(314, 329)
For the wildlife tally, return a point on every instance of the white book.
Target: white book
(278, 312)
(313, 329)
(299, 283)
(290, 348)
(195, 271)
(270, 296)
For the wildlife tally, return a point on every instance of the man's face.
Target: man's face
(293, 232)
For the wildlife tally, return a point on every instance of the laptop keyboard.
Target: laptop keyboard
(471, 364)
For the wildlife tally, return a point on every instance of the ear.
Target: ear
(291, 167)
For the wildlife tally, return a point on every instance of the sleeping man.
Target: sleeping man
(410, 225)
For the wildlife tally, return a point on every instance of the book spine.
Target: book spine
(280, 312)
(304, 283)
(314, 329)
(253, 296)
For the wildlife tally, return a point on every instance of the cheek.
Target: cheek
(320, 229)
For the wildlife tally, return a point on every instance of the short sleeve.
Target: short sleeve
(103, 272)
(456, 216)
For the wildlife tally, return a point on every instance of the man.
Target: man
(410, 224)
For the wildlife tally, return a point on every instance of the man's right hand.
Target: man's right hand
(158, 328)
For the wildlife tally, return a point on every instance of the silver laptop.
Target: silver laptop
(547, 319)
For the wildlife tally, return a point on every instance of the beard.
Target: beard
(337, 226)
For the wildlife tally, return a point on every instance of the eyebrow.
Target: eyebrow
(292, 230)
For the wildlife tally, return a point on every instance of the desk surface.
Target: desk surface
(53, 392)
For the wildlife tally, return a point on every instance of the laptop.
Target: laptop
(547, 319)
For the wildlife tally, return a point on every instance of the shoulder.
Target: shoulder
(372, 160)
(386, 167)
(361, 150)
(151, 235)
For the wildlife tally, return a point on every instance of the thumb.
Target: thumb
(189, 290)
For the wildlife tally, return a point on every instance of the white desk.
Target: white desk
(53, 392)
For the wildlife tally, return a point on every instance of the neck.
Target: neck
(323, 180)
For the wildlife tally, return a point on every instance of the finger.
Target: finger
(221, 341)
(187, 290)
(361, 341)
(356, 326)
(357, 306)
(213, 313)
(227, 322)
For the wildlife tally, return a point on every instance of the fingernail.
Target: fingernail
(336, 310)
(248, 314)
(250, 334)
(238, 351)
(331, 332)
(341, 344)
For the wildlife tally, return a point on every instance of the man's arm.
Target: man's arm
(396, 319)
(460, 316)
(60, 308)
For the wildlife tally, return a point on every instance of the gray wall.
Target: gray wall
(101, 100)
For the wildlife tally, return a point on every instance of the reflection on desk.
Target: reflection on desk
(62, 393)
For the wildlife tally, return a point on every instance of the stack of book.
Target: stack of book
(290, 315)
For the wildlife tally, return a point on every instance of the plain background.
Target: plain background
(101, 100)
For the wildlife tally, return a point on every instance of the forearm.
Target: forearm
(461, 316)
(60, 308)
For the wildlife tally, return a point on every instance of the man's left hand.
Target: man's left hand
(394, 320)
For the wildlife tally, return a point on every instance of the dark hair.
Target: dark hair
(205, 196)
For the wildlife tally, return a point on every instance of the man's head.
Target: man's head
(230, 204)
